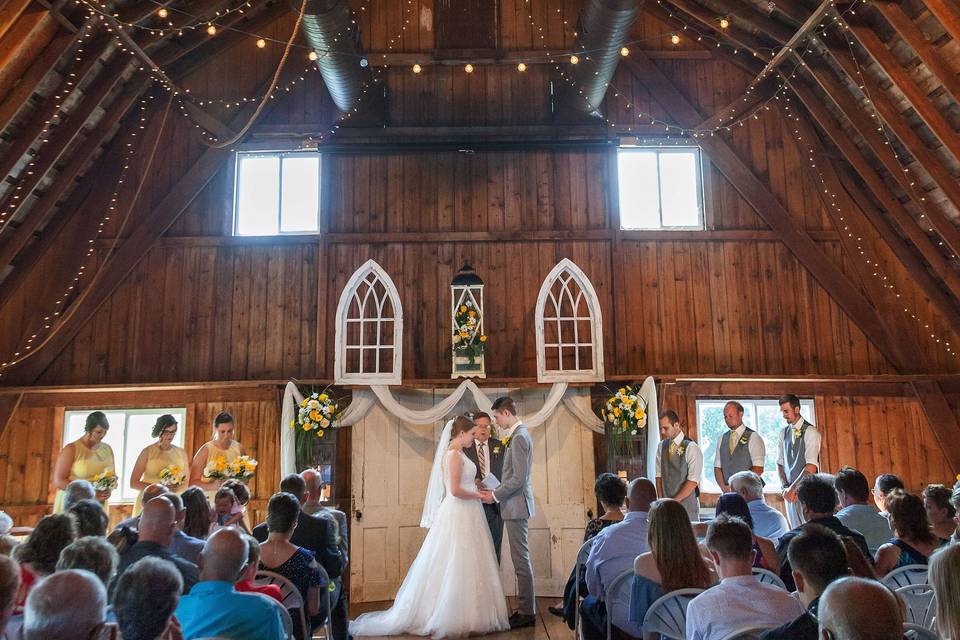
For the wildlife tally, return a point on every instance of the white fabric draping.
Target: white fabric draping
(363, 400)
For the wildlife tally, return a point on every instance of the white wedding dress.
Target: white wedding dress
(453, 586)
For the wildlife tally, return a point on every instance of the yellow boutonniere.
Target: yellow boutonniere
(497, 450)
(744, 439)
(505, 441)
(681, 450)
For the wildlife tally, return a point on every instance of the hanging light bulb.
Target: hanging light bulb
(261, 43)
(417, 68)
(574, 59)
(211, 29)
(675, 39)
(162, 12)
(468, 68)
(313, 55)
(624, 52)
(521, 67)
(724, 23)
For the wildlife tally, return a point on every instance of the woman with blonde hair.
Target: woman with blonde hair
(944, 577)
(674, 561)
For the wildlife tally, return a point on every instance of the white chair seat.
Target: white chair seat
(292, 598)
(668, 614)
(904, 576)
(916, 632)
(921, 603)
(766, 576)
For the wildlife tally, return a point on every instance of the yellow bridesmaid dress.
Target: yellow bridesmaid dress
(231, 453)
(86, 464)
(157, 460)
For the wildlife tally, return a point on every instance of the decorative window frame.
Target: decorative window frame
(347, 296)
(595, 372)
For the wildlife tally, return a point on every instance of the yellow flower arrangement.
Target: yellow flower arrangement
(467, 339)
(106, 480)
(625, 411)
(317, 412)
(172, 476)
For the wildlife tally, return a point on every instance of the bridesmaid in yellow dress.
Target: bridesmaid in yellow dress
(84, 458)
(223, 445)
(158, 456)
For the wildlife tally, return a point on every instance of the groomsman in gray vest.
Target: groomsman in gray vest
(739, 449)
(487, 454)
(797, 456)
(679, 465)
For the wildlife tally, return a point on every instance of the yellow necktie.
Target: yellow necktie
(733, 441)
(673, 449)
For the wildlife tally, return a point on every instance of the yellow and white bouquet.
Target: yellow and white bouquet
(217, 469)
(467, 340)
(106, 480)
(172, 476)
(243, 467)
(625, 411)
(316, 413)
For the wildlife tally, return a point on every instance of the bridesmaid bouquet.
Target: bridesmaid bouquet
(217, 469)
(172, 476)
(106, 480)
(243, 468)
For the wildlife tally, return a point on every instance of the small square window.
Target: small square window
(277, 193)
(660, 188)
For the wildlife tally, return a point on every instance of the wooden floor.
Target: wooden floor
(548, 626)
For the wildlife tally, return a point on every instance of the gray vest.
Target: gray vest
(673, 473)
(794, 453)
(739, 460)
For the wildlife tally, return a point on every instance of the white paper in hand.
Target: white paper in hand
(490, 482)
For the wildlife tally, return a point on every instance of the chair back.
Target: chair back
(747, 633)
(668, 614)
(617, 602)
(765, 576)
(582, 553)
(916, 632)
(904, 576)
(921, 604)
(292, 598)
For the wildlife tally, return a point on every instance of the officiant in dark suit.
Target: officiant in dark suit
(487, 454)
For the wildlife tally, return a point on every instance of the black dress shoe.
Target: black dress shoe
(556, 610)
(520, 621)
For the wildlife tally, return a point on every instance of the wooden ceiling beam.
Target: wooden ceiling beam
(928, 54)
(811, 23)
(940, 417)
(66, 177)
(38, 70)
(29, 36)
(151, 39)
(10, 11)
(756, 193)
(8, 407)
(758, 22)
(947, 15)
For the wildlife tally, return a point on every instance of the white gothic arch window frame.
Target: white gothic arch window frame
(362, 275)
(573, 273)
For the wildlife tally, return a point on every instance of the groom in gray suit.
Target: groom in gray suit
(515, 496)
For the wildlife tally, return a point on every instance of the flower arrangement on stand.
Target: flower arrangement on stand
(467, 341)
(316, 414)
(625, 415)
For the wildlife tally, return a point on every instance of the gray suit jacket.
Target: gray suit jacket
(515, 493)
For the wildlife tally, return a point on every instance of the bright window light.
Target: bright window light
(277, 193)
(660, 188)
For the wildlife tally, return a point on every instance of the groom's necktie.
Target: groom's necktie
(482, 456)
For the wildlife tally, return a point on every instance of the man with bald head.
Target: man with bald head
(613, 552)
(68, 605)
(158, 523)
(149, 493)
(858, 609)
(214, 609)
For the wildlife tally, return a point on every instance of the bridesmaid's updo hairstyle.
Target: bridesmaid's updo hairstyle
(164, 421)
(461, 424)
(96, 419)
(222, 418)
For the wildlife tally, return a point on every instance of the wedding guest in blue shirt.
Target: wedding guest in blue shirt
(767, 522)
(856, 512)
(613, 552)
(214, 609)
(187, 547)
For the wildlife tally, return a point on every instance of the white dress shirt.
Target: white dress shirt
(693, 455)
(737, 603)
(756, 447)
(811, 444)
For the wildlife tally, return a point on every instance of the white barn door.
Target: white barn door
(391, 465)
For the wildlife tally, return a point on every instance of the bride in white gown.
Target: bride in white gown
(453, 586)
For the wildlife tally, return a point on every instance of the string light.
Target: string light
(212, 29)
(675, 39)
(724, 23)
(162, 12)
(312, 56)
(521, 67)
(468, 68)
(261, 43)
(574, 59)
(417, 68)
(624, 51)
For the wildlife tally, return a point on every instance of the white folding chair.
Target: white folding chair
(618, 597)
(910, 574)
(292, 598)
(766, 576)
(668, 614)
(582, 554)
(916, 632)
(747, 633)
(921, 604)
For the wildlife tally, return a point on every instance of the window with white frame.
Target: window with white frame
(760, 414)
(277, 193)
(660, 188)
(130, 433)
(369, 333)
(569, 327)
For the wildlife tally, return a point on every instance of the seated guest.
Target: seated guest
(883, 485)
(312, 533)
(733, 504)
(818, 558)
(940, 512)
(249, 574)
(157, 524)
(9, 586)
(149, 493)
(613, 552)
(673, 562)
(858, 609)
(818, 501)
(314, 487)
(768, 522)
(227, 509)
(214, 609)
(92, 520)
(76, 491)
(147, 594)
(198, 515)
(912, 542)
(294, 563)
(944, 577)
(611, 491)
(39, 553)
(69, 605)
(856, 512)
(187, 547)
(740, 600)
(92, 553)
